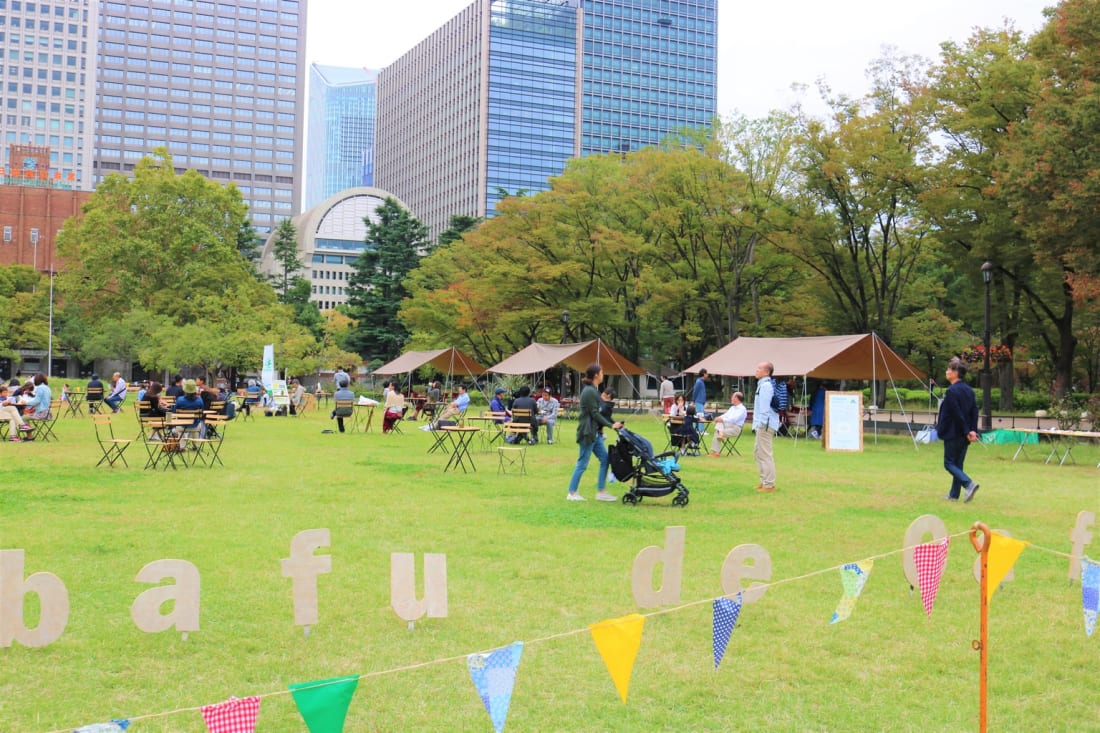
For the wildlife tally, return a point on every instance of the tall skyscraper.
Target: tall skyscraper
(48, 68)
(340, 135)
(498, 99)
(216, 83)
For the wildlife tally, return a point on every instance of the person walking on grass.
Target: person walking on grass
(957, 427)
(589, 437)
(765, 423)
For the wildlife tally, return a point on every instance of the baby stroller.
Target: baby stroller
(632, 461)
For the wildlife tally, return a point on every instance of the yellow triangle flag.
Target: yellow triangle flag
(1003, 552)
(618, 640)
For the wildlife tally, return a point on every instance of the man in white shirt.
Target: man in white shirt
(729, 424)
(118, 392)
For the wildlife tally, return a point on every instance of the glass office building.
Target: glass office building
(340, 134)
(46, 75)
(216, 83)
(498, 99)
(650, 69)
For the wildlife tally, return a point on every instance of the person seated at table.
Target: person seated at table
(95, 393)
(395, 408)
(154, 406)
(497, 405)
(176, 388)
(524, 401)
(432, 400)
(548, 408)
(455, 410)
(729, 424)
(253, 394)
(207, 394)
(343, 393)
(118, 392)
(684, 436)
(9, 411)
(190, 400)
(679, 407)
(39, 406)
(297, 396)
(65, 390)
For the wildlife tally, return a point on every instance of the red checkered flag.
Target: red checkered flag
(235, 715)
(930, 559)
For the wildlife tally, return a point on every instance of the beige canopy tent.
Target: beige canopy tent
(540, 357)
(862, 356)
(448, 361)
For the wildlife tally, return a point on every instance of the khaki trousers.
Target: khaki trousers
(762, 452)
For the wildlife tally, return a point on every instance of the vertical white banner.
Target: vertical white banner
(267, 374)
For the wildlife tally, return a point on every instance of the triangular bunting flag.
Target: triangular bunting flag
(726, 613)
(1090, 592)
(930, 559)
(1003, 552)
(618, 640)
(323, 704)
(852, 576)
(232, 716)
(494, 676)
(114, 726)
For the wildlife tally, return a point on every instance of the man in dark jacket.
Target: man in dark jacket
(957, 427)
(524, 401)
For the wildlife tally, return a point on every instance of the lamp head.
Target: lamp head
(987, 272)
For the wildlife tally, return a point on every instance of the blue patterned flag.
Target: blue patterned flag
(115, 726)
(726, 612)
(1090, 592)
(494, 676)
(853, 576)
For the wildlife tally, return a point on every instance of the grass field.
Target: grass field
(524, 564)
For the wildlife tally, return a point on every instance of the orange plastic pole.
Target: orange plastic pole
(982, 645)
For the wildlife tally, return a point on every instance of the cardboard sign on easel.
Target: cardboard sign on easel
(844, 421)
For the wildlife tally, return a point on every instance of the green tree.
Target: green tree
(394, 246)
(858, 224)
(249, 244)
(288, 260)
(24, 318)
(980, 90)
(459, 225)
(1049, 174)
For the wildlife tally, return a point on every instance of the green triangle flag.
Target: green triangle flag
(324, 703)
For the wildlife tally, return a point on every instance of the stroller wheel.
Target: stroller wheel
(680, 500)
(631, 499)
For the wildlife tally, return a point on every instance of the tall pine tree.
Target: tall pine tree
(376, 288)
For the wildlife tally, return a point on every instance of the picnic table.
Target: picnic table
(460, 447)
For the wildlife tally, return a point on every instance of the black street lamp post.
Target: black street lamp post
(987, 376)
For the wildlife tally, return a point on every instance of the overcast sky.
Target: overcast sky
(763, 47)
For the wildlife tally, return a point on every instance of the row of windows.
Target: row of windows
(179, 31)
(15, 87)
(327, 290)
(223, 7)
(329, 274)
(41, 8)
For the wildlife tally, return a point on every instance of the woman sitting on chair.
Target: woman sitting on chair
(395, 408)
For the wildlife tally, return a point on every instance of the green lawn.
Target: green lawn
(524, 564)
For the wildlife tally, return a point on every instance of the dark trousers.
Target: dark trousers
(954, 455)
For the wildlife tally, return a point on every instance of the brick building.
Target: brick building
(33, 207)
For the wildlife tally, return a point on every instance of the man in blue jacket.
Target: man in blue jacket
(957, 427)
(699, 392)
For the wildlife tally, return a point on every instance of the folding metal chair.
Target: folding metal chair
(207, 449)
(113, 448)
(512, 457)
(43, 427)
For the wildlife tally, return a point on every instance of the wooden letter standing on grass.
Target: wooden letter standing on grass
(672, 557)
(184, 615)
(746, 562)
(53, 600)
(403, 586)
(1081, 537)
(303, 567)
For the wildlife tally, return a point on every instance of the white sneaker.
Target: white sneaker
(574, 497)
(604, 496)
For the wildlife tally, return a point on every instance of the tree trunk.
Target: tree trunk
(1006, 379)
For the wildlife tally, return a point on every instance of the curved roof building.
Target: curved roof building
(331, 236)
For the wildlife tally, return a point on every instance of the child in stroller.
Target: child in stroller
(633, 463)
(683, 436)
